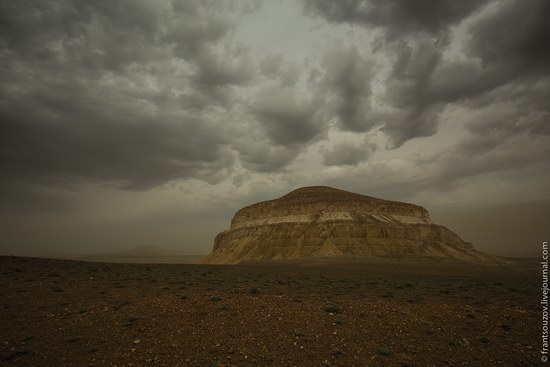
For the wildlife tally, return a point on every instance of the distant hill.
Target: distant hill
(143, 255)
(525, 254)
(148, 250)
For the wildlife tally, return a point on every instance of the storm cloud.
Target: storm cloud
(396, 17)
(129, 107)
(347, 80)
(115, 91)
(422, 81)
(344, 155)
(287, 117)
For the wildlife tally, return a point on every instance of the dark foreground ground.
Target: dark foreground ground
(380, 313)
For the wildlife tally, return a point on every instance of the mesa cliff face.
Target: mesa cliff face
(323, 221)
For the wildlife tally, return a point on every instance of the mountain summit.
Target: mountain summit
(321, 221)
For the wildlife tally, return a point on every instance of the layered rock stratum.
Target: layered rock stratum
(322, 221)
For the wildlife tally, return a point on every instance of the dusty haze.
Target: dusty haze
(127, 123)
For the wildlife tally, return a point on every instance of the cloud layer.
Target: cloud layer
(409, 100)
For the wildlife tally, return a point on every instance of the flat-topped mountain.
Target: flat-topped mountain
(323, 221)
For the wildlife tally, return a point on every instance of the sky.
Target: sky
(150, 122)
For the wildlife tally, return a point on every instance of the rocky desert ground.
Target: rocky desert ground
(381, 312)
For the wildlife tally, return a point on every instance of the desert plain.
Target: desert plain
(316, 312)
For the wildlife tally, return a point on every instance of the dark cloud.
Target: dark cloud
(216, 77)
(497, 58)
(274, 67)
(524, 45)
(257, 154)
(491, 149)
(52, 144)
(407, 91)
(287, 117)
(97, 36)
(460, 174)
(501, 62)
(345, 154)
(271, 65)
(396, 17)
(347, 84)
(137, 94)
(497, 55)
(195, 26)
(415, 35)
(116, 91)
(216, 73)
(479, 155)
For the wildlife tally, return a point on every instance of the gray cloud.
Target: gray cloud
(406, 90)
(116, 91)
(262, 157)
(140, 152)
(346, 154)
(476, 170)
(271, 65)
(525, 44)
(479, 155)
(154, 95)
(414, 37)
(396, 17)
(274, 67)
(502, 61)
(143, 79)
(287, 117)
(347, 83)
(422, 83)
(215, 74)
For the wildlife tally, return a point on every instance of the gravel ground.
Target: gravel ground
(383, 313)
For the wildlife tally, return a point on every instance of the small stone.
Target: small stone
(137, 341)
(331, 309)
(72, 339)
(484, 339)
(385, 351)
